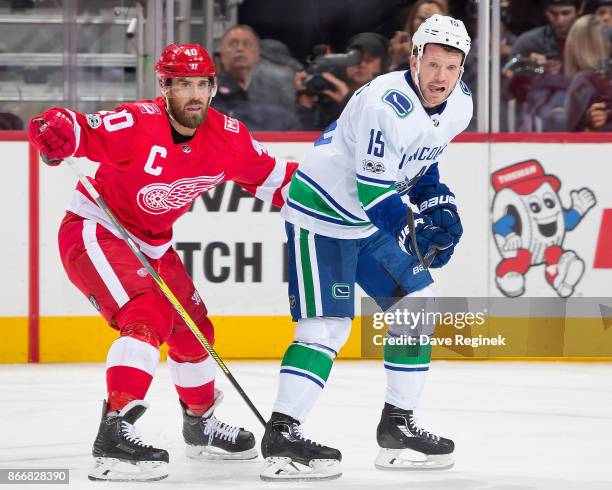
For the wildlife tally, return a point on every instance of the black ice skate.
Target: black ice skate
(209, 438)
(290, 456)
(405, 446)
(120, 454)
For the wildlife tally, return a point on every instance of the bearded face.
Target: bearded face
(188, 100)
(190, 114)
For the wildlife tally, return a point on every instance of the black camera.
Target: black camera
(314, 83)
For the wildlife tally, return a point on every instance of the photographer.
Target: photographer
(587, 59)
(323, 95)
(544, 45)
(534, 76)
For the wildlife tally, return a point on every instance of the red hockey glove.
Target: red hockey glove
(52, 133)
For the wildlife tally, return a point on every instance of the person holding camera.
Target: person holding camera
(535, 72)
(587, 60)
(544, 45)
(323, 96)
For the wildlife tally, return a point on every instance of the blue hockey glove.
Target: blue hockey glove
(431, 240)
(438, 203)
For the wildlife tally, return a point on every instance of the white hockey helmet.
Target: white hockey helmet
(440, 29)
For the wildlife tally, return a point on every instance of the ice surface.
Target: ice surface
(517, 426)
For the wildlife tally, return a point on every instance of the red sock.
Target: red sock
(130, 366)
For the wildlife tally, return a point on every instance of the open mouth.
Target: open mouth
(437, 90)
(549, 229)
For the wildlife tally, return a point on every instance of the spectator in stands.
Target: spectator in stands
(537, 81)
(9, 121)
(318, 110)
(587, 60)
(277, 63)
(400, 46)
(523, 15)
(603, 12)
(544, 45)
(259, 99)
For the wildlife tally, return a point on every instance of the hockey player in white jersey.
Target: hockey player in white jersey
(347, 223)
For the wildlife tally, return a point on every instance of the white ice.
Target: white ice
(517, 426)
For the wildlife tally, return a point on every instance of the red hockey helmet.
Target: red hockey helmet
(184, 60)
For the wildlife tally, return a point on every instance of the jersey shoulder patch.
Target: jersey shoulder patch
(230, 124)
(464, 88)
(401, 104)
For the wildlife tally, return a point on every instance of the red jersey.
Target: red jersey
(149, 181)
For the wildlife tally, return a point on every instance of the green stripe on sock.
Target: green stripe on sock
(307, 274)
(302, 357)
(408, 354)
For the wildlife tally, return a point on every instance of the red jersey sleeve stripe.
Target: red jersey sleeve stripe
(273, 182)
(77, 129)
(281, 190)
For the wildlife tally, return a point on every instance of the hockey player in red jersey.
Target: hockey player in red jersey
(155, 158)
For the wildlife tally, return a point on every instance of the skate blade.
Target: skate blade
(285, 469)
(406, 459)
(211, 453)
(113, 469)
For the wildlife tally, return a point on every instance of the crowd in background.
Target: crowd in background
(555, 58)
(556, 76)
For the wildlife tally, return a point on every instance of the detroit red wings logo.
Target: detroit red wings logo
(160, 198)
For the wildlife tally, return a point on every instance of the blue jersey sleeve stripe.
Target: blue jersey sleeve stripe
(375, 181)
(309, 212)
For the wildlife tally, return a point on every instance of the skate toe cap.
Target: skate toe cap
(444, 446)
(246, 439)
(330, 453)
(160, 455)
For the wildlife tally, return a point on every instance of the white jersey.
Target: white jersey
(384, 136)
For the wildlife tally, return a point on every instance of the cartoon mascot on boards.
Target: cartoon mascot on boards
(529, 225)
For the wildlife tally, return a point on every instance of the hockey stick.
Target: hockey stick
(431, 253)
(163, 286)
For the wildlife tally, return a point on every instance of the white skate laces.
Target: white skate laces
(214, 427)
(132, 435)
(299, 431)
(415, 429)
